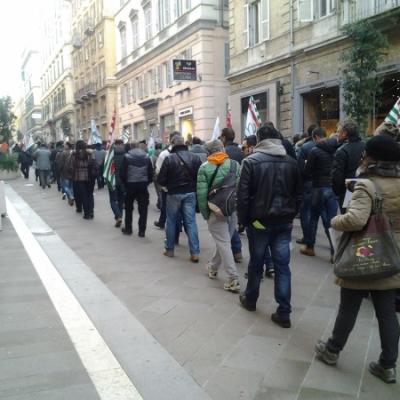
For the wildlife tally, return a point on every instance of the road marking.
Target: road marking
(109, 379)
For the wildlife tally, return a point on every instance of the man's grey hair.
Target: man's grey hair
(178, 140)
(213, 146)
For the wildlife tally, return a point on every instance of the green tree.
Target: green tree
(361, 60)
(7, 119)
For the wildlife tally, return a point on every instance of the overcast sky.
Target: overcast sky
(18, 28)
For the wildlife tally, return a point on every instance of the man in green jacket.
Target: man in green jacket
(210, 175)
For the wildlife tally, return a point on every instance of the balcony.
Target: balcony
(76, 41)
(91, 89)
(85, 93)
(356, 10)
(88, 26)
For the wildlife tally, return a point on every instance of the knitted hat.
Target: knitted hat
(386, 128)
(383, 148)
(213, 146)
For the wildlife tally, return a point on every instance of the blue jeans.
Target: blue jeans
(182, 204)
(117, 201)
(323, 203)
(277, 238)
(67, 188)
(305, 209)
(236, 243)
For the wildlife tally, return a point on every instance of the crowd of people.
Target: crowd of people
(257, 188)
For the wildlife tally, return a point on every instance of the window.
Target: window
(227, 58)
(147, 22)
(147, 84)
(256, 26)
(319, 8)
(133, 90)
(123, 95)
(180, 7)
(326, 7)
(139, 82)
(135, 32)
(100, 39)
(168, 73)
(159, 78)
(153, 80)
(122, 35)
(163, 13)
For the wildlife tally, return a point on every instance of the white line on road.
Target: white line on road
(107, 375)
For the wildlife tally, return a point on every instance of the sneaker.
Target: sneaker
(168, 253)
(387, 375)
(232, 286)
(194, 258)
(307, 251)
(238, 258)
(269, 272)
(64, 196)
(212, 273)
(245, 304)
(158, 225)
(126, 231)
(324, 355)
(71, 202)
(283, 323)
(118, 222)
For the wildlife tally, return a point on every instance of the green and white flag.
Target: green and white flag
(125, 136)
(109, 168)
(253, 120)
(394, 116)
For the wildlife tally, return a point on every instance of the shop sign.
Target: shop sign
(185, 112)
(185, 70)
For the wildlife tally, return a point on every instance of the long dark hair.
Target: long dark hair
(80, 150)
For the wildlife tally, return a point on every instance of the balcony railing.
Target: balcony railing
(85, 93)
(89, 26)
(356, 10)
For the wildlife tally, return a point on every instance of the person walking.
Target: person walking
(25, 161)
(99, 155)
(318, 170)
(43, 164)
(268, 199)
(198, 149)
(379, 169)
(179, 175)
(211, 174)
(136, 174)
(347, 157)
(64, 164)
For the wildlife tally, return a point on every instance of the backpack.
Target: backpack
(69, 165)
(222, 198)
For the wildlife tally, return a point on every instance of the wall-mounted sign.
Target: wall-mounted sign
(184, 70)
(185, 112)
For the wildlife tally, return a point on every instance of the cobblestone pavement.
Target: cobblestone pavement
(166, 312)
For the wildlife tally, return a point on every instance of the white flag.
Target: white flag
(253, 120)
(94, 136)
(217, 130)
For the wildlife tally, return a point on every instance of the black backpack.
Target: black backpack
(222, 198)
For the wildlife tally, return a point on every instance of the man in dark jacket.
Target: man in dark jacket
(136, 174)
(25, 159)
(318, 170)
(347, 157)
(198, 149)
(268, 199)
(231, 148)
(179, 175)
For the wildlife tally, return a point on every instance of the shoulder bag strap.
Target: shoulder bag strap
(185, 169)
(213, 177)
(378, 198)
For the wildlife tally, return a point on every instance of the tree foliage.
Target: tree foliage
(7, 119)
(361, 60)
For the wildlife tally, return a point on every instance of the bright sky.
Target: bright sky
(19, 25)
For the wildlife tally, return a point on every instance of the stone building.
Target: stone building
(287, 55)
(58, 119)
(93, 60)
(149, 35)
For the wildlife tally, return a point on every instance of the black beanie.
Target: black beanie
(383, 148)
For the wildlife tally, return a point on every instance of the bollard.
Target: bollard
(2, 203)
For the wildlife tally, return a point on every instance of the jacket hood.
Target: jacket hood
(137, 152)
(217, 158)
(382, 168)
(328, 145)
(272, 147)
(179, 147)
(198, 148)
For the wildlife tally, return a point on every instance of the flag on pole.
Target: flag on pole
(29, 142)
(229, 118)
(111, 134)
(109, 168)
(94, 136)
(217, 130)
(125, 136)
(253, 120)
(394, 115)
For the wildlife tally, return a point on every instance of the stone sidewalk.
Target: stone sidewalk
(230, 353)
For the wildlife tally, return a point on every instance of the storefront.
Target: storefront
(186, 122)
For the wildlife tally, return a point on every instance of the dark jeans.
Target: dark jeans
(43, 177)
(323, 204)
(163, 209)
(83, 191)
(277, 238)
(236, 243)
(100, 178)
(389, 330)
(138, 192)
(25, 170)
(117, 197)
(305, 209)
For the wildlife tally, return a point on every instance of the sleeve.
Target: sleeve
(298, 188)
(197, 164)
(243, 194)
(338, 172)
(123, 171)
(301, 159)
(150, 170)
(309, 165)
(160, 161)
(162, 178)
(202, 193)
(357, 213)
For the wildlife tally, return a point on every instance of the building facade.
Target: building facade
(32, 109)
(58, 119)
(287, 55)
(149, 35)
(94, 66)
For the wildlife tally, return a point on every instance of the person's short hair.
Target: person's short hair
(383, 148)
(269, 123)
(172, 134)
(296, 138)
(119, 142)
(196, 140)
(351, 128)
(228, 134)
(267, 132)
(310, 129)
(69, 145)
(178, 140)
(251, 140)
(213, 146)
(80, 145)
(319, 132)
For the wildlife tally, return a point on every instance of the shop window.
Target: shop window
(261, 102)
(167, 126)
(186, 126)
(139, 131)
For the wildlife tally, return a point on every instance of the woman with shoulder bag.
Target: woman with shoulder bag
(379, 170)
